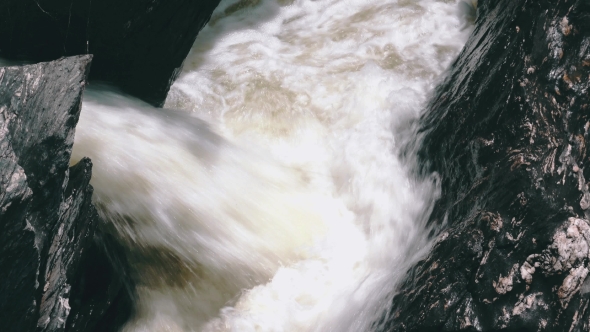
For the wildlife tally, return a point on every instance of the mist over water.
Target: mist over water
(271, 193)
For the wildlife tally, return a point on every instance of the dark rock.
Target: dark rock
(507, 132)
(70, 239)
(47, 220)
(105, 291)
(39, 107)
(139, 45)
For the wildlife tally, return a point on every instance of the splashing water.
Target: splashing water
(276, 197)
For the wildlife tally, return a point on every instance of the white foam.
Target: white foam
(291, 210)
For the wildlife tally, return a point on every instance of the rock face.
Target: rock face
(139, 45)
(104, 291)
(47, 220)
(507, 133)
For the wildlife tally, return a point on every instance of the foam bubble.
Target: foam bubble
(289, 207)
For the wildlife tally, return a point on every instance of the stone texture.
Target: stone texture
(507, 132)
(47, 220)
(138, 45)
(71, 237)
(105, 290)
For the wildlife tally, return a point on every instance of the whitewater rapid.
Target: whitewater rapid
(277, 189)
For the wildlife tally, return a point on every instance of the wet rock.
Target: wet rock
(138, 45)
(47, 220)
(39, 106)
(507, 132)
(105, 290)
(70, 238)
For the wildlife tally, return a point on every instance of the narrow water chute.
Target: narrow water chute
(270, 194)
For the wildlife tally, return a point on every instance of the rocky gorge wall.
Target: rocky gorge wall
(507, 133)
(138, 45)
(60, 269)
(47, 219)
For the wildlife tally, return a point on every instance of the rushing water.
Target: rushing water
(271, 193)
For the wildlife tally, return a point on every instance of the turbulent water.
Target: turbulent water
(276, 191)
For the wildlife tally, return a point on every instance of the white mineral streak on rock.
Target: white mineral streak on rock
(549, 162)
(4, 120)
(571, 284)
(583, 187)
(571, 245)
(566, 160)
(568, 253)
(504, 284)
(17, 179)
(466, 317)
(487, 254)
(566, 28)
(526, 272)
(526, 302)
(65, 302)
(542, 324)
(495, 221)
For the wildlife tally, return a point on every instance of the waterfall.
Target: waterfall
(276, 191)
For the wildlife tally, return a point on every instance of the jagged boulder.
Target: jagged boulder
(138, 45)
(47, 220)
(507, 132)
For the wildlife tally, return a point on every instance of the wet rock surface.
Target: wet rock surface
(104, 290)
(47, 220)
(507, 132)
(138, 45)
